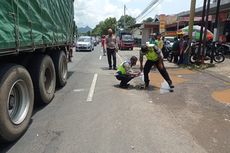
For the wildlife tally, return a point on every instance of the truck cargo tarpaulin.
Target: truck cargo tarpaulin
(32, 24)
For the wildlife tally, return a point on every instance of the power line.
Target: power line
(147, 8)
(149, 11)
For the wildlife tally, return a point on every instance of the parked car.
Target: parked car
(169, 40)
(94, 41)
(126, 41)
(84, 43)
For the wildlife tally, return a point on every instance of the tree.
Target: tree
(103, 26)
(149, 19)
(88, 33)
(109, 23)
(129, 21)
(97, 30)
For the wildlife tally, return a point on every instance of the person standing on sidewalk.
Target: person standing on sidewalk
(103, 44)
(175, 50)
(125, 72)
(111, 46)
(153, 55)
(159, 42)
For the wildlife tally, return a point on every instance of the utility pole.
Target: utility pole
(201, 30)
(215, 29)
(191, 18)
(124, 17)
(191, 23)
(205, 32)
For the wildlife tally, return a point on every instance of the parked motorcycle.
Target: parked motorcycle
(218, 55)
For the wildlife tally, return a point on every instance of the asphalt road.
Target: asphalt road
(92, 115)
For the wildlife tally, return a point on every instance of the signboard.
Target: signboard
(171, 19)
(195, 18)
(162, 23)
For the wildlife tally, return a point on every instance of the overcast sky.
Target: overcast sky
(91, 12)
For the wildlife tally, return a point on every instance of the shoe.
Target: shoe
(171, 85)
(110, 68)
(114, 68)
(124, 86)
(146, 84)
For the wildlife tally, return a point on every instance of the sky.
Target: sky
(91, 12)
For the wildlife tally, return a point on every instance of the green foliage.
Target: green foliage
(103, 26)
(149, 19)
(88, 33)
(129, 21)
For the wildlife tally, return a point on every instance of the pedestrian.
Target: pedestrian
(182, 49)
(103, 45)
(125, 72)
(153, 55)
(175, 50)
(111, 46)
(152, 38)
(185, 51)
(227, 34)
(159, 42)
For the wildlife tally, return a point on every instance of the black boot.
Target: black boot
(170, 84)
(147, 84)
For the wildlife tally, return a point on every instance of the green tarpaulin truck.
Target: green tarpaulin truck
(35, 36)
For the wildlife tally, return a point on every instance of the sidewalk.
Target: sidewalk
(222, 68)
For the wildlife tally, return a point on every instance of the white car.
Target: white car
(84, 43)
(169, 40)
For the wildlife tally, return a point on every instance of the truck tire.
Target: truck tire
(16, 101)
(44, 78)
(61, 68)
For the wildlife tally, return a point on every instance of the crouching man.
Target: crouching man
(125, 72)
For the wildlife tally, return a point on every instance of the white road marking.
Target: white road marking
(120, 58)
(92, 88)
(100, 57)
(78, 90)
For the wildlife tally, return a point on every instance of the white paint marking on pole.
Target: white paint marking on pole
(92, 88)
(78, 90)
(100, 57)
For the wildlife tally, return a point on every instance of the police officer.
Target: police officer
(153, 55)
(125, 72)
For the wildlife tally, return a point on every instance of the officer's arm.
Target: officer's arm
(158, 51)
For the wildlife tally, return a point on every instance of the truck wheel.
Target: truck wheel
(61, 68)
(44, 78)
(16, 101)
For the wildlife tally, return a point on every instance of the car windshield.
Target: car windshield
(84, 40)
(169, 39)
(127, 37)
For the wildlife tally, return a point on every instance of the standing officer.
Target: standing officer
(153, 55)
(111, 46)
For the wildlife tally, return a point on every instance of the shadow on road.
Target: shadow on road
(5, 147)
(137, 87)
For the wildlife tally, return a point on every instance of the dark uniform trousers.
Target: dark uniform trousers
(111, 53)
(124, 79)
(160, 66)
